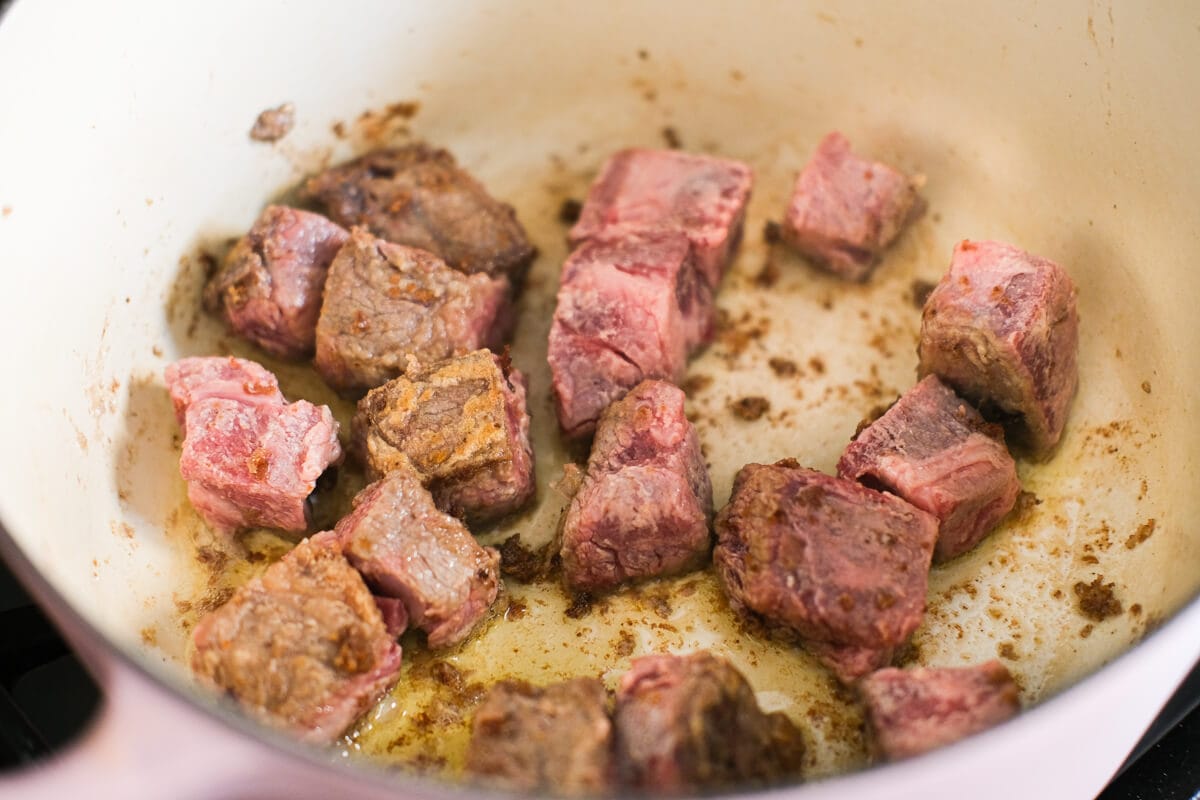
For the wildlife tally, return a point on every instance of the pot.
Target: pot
(1067, 130)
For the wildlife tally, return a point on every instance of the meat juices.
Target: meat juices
(691, 723)
(628, 309)
(1001, 329)
(846, 210)
(644, 507)
(910, 712)
(935, 451)
(825, 559)
(462, 425)
(269, 287)
(303, 647)
(249, 458)
(405, 548)
(385, 303)
(554, 740)
(418, 196)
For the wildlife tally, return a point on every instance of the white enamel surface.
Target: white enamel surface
(1069, 130)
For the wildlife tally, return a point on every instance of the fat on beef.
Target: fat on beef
(845, 210)
(628, 309)
(640, 191)
(1001, 329)
(200, 377)
(418, 196)
(935, 451)
(407, 549)
(644, 507)
(913, 711)
(269, 287)
(687, 724)
(552, 740)
(385, 303)
(462, 425)
(303, 647)
(824, 558)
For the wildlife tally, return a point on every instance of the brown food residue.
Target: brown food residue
(750, 408)
(921, 289)
(1097, 601)
(580, 606)
(696, 383)
(519, 562)
(625, 644)
(783, 367)
(569, 211)
(671, 138)
(1007, 650)
(769, 275)
(772, 232)
(1144, 532)
(1146, 387)
(817, 365)
(274, 123)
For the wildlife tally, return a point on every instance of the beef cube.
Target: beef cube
(407, 549)
(553, 740)
(462, 425)
(641, 191)
(910, 712)
(935, 451)
(628, 310)
(823, 557)
(269, 287)
(644, 507)
(197, 378)
(690, 724)
(1002, 330)
(417, 196)
(385, 303)
(303, 647)
(255, 465)
(850, 663)
(395, 615)
(846, 210)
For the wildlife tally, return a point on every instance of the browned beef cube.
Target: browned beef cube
(269, 287)
(553, 740)
(201, 377)
(417, 196)
(628, 309)
(640, 191)
(644, 507)
(823, 557)
(385, 304)
(935, 451)
(846, 210)
(690, 724)
(1002, 330)
(409, 550)
(913, 711)
(462, 425)
(303, 647)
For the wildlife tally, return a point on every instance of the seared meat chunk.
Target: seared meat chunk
(554, 740)
(200, 377)
(640, 191)
(418, 196)
(462, 425)
(687, 724)
(1002, 330)
(269, 287)
(628, 309)
(395, 615)
(910, 712)
(849, 663)
(824, 558)
(935, 451)
(407, 549)
(846, 210)
(385, 303)
(303, 647)
(644, 507)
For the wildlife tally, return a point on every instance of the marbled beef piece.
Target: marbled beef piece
(640, 191)
(846, 210)
(417, 196)
(935, 451)
(1002, 330)
(552, 740)
(200, 377)
(269, 287)
(913, 711)
(303, 647)
(385, 303)
(689, 724)
(462, 425)
(407, 549)
(644, 507)
(628, 309)
(823, 557)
